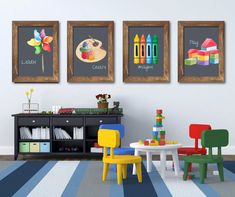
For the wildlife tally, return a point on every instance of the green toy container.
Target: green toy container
(24, 147)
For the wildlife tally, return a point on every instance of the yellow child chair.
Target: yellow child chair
(111, 139)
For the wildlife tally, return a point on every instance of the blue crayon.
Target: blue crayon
(149, 54)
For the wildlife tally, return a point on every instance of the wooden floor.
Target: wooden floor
(155, 157)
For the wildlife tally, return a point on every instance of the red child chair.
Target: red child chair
(195, 131)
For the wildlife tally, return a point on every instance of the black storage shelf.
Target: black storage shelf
(90, 124)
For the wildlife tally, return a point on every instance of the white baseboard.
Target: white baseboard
(9, 150)
(6, 150)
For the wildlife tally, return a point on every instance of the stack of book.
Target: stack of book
(60, 134)
(41, 133)
(77, 133)
(37, 133)
(25, 133)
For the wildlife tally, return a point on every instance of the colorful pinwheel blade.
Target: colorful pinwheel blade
(37, 35)
(38, 49)
(46, 47)
(47, 39)
(42, 33)
(33, 42)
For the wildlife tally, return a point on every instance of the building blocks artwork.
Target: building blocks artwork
(207, 55)
(146, 49)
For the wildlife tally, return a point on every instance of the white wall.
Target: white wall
(182, 103)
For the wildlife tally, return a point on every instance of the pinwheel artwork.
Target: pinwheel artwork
(41, 42)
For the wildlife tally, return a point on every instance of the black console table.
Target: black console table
(53, 146)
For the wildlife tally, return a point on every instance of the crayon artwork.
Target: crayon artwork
(146, 49)
(207, 55)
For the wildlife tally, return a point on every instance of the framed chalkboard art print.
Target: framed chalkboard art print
(90, 51)
(146, 51)
(201, 51)
(35, 51)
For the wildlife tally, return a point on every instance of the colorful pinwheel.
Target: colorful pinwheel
(41, 42)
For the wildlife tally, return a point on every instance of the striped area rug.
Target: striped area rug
(83, 178)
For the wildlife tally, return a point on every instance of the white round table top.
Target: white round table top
(163, 147)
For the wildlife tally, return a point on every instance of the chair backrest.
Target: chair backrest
(214, 138)
(118, 127)
(108, 138)
(195, 131)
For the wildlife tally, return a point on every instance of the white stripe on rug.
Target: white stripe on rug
(56, 180)
(176, 185)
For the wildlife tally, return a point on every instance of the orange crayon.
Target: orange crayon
(142, 49)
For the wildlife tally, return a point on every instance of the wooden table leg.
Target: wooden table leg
(149, 161)
(134, 167)
(176, 161)
(163, 163)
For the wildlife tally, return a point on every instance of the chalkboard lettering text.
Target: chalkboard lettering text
(99, 67)
(145, 67)
(28, 62)
(194, 42)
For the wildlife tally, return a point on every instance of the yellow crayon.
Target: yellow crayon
(136, 49)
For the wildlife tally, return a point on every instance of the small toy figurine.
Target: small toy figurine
(115, 107)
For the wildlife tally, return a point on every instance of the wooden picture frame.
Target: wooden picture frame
(35, 51)
(90, 54)
(201, 52)
(141, 69)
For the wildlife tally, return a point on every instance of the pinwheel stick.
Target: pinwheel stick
(42, 63)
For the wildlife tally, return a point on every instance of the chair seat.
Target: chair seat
(191, 151)
(123, 151)
(203, 159)
(122, 159)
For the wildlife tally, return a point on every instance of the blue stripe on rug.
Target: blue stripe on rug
(27, 187)
(158, 183)
(75, 180)
(115, 189)
(10, 169)
(230, 166)
(205, 188)
(14, 181)
(132, 187)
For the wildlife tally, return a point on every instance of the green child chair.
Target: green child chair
(209, 139)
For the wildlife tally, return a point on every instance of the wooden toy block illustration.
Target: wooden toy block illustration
(209, 45)
(190, 61)
(136, 49)
(192, 53)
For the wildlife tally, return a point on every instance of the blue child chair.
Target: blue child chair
(121, 150)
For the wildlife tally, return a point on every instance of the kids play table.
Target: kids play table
(163, 150)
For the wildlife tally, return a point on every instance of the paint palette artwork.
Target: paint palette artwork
(90, 50)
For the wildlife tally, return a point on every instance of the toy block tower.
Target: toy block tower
(159, 127)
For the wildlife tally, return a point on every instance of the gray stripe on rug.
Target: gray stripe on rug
(92, 184)
(222, 188)
(5, 164)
